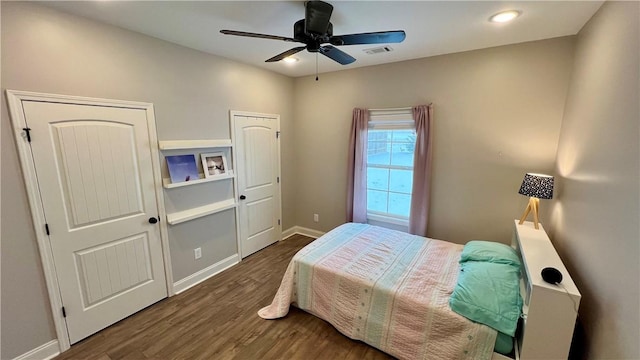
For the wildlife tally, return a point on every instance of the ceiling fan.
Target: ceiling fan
(316, 32)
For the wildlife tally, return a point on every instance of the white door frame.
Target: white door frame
(14, 100)
(232, 114)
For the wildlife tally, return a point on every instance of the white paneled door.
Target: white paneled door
(257, 161)
(95, 175)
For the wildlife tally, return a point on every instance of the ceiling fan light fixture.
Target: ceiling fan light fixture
(290, 59)
(505, 16)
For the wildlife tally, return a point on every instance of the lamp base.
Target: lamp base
(534, 205)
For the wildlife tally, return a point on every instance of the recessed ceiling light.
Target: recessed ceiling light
(290, 59)
(505, 16)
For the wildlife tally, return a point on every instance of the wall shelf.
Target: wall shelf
(224, 145)
(193, 144)
(197, 212)
(166, 182)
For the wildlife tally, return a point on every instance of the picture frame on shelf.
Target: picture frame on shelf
(214, 164)
(182, 168)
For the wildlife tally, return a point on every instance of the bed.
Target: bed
(388, 289)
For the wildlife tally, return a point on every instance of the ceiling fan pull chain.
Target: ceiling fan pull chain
(316, 66)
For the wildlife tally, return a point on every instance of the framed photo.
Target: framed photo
(182, 168)
(214, 164)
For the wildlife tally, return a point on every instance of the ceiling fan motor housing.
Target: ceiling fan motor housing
(313, 41)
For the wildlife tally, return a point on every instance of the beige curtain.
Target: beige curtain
(421, 193)
(357, 171)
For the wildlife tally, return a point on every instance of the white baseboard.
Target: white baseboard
(302, 231)
(202, 275)
(289, 232)
(43, 352)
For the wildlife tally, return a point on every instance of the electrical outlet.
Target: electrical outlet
(198, 253)
(316, 217)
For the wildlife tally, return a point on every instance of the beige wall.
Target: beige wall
(595, 217)
(497, 115)
(47, 51)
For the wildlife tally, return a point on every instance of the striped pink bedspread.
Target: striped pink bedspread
(387, 288)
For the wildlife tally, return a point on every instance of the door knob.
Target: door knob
(242, 197)
(152, 220)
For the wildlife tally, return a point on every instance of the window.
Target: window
(390, 148)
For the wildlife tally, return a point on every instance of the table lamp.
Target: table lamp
(536, 186)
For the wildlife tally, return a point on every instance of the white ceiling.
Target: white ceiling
(432, 27)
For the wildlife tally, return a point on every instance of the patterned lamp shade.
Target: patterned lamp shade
(537, 185)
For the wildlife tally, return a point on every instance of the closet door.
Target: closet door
(258, 172)
(95, 176)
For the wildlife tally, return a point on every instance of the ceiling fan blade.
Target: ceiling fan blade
(336, 54)
(286, 53)
(382, 37)
(256, 35)
(317, 15)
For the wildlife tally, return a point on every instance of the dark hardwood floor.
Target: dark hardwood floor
(218, 319)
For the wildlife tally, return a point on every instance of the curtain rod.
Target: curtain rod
(396, 109)
(393, 109)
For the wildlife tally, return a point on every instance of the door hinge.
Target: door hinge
(278, 221)
(64, 312)
(278, 179)
(277, 134)
(28, 132)
(46, 228)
